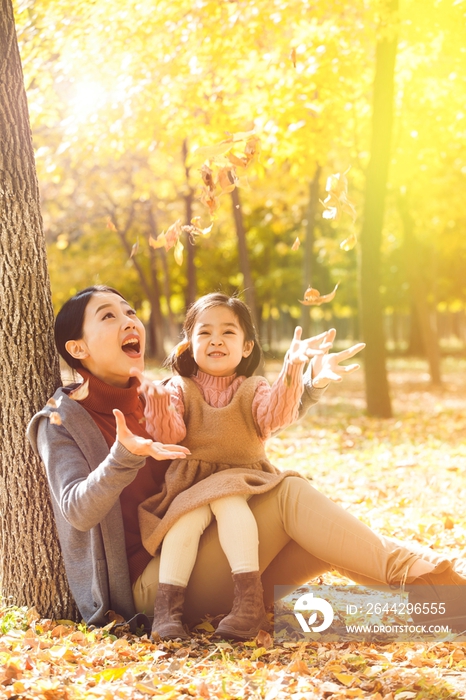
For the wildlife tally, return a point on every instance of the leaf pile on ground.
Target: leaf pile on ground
(404, 476)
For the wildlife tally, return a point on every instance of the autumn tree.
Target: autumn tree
(31, 565)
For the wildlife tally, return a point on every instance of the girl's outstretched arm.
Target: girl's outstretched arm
(164, 409)
(277, 406)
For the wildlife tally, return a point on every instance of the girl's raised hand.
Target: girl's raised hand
(327, 368)
(302, 350)
(146, 386)
(142, 446)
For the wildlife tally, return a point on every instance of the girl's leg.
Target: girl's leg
(180, 546)
(237, 532)
(238, 535)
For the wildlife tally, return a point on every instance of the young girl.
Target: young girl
(223, 415)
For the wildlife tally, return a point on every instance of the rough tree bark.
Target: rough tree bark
(31, 563)
(377, 392)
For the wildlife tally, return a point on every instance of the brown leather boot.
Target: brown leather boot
(439, 597)
(168, 611)
(248, 615)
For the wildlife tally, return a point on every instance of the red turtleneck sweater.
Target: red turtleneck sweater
(99, 403)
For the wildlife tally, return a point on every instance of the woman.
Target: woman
(101, 464)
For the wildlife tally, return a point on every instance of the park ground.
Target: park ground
(404, 476)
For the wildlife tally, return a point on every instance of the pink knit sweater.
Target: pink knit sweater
(273, 408)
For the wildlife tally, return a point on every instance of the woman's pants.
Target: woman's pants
(302, 534)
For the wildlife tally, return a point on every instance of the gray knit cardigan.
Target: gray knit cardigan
(85, 482)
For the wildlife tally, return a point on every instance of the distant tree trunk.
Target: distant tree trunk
(308, 253)
(377, 392)
(415, 344)
(244, 265)
(31, 564)
(150, 287)
(153, 230)
(419, 293)
(191, 286)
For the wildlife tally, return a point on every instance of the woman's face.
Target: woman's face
(113, 339)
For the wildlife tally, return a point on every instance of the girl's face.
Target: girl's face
(113, 339)
(218, 343)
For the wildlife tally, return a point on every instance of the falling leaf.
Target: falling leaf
(227, 179)
(172, 234)
(178, 252)
(296, 244)
(211, 152)
(134, 249)
(208, 177)
(349, 243)
(210, 201)
(181, 347)
(293, 57)
(312, 297)
(337, 200)
(81, 393)
(55, 418)
(196, 222)
(252, 148)
(158, 242)
(110, 224)
(237, 162)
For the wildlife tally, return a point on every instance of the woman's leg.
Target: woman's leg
(327, 532)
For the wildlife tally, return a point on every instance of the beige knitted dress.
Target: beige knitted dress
(227, 458)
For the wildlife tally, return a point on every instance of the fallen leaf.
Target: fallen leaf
(312, 297)
(448, 523)
(51, 402)
(345, 678)
(264, 639)
(55, 418)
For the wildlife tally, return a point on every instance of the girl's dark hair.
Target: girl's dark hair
(70, 319)
(181, 360)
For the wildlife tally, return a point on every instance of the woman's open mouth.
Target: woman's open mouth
(132, 346)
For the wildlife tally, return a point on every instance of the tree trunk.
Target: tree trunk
(244, 265)
(31, 563)
(153, 231)
(308, 257)
(377, 392)
(191, 286)
(151, 290)
(419, 293)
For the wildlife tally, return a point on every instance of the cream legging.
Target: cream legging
(302, 534)
(237, 532)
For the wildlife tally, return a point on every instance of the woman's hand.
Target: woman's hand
(326, 368)
(302, 350)
(142, 446)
